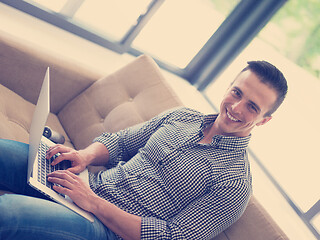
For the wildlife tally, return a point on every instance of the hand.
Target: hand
(74, 187)
(127, 225)
(78, 161)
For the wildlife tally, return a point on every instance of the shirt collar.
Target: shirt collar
(225, 142)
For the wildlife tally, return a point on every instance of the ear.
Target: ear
(264, 121)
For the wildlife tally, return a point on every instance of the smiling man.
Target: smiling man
(180, 175)
(246, 105)
(250, 101)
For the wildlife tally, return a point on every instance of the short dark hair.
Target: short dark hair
(273, 77)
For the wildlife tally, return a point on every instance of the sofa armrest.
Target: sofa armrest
(255, 223)
(23, 67)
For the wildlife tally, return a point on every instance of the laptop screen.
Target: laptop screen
(39, 120)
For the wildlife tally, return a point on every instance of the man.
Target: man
(181, 175)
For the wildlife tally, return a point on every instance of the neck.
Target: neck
(209, 133)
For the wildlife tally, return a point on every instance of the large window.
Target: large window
(294, 32)
(173, 32)
(180, 28)
(288, 145)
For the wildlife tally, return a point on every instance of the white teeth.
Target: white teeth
(232, 118)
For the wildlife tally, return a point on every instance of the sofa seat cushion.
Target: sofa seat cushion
(16, 116)
(133, 94)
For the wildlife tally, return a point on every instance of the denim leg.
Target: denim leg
(27, 217)
(24, 217)
(13, 168)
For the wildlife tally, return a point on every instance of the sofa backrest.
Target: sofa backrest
(131, 95)
(23, 67)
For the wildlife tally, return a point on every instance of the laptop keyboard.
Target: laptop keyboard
(45, 166)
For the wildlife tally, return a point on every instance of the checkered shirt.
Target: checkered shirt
(181, 189)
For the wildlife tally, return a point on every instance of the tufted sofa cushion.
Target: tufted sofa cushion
(133, 94)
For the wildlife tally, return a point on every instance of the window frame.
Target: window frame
(239, 28)
(73, 26)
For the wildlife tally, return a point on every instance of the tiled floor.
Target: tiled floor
(72, 47)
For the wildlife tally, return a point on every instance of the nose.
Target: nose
(237, 107)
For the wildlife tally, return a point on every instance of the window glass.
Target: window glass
(288, 144)
(295, 33)
(175, 33)
(55, 5)
(180, 28)
(111, 17)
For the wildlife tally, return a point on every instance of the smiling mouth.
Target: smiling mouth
(232, 118)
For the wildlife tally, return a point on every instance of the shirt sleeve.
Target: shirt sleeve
(124, 144)
(204, 218)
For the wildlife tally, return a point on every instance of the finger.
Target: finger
(58, 148)
(62, 182)
(54, 149)
(50, 151)
(61, 190)
(57, 160)
(73, 175)
(63, 174)
(75, 169)
(62, 157)
(62, 178)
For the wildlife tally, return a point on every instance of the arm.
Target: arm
(126, 225)
(203, 218)
(94, 154)
(109, 148)
(120, 222)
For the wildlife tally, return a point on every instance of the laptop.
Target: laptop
(38, 165)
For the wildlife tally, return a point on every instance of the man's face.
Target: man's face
(244, 105)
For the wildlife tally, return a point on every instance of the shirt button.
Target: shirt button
(130, 99)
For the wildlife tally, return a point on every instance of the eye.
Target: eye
(252, 108)
(236, 93)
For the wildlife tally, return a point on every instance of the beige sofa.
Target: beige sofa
(84, 104)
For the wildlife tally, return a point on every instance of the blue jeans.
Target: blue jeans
(28, 214)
